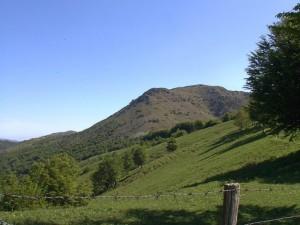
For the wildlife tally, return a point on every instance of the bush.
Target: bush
(172, 145)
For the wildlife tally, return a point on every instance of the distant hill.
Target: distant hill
(156, 109)
(5, 144)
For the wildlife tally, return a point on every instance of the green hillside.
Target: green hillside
(266, 166)
(5, 144)
(156, 109)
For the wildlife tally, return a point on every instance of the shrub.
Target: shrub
(172, 145)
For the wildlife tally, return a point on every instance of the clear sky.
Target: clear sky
(66, 64)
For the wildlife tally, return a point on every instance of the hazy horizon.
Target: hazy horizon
(66, 65)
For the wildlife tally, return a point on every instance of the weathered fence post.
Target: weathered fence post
(231, 204)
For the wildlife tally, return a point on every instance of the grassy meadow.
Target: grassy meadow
(204, 161)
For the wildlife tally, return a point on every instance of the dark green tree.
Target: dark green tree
(187, 126)
(128, 163)
(105, 178)
(139, 157)
(198, 125)
(178, 133)
(226, 117)
(172, 145)
(210, 123)
(274, 76)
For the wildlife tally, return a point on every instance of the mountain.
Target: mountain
(156, 109)
(161, 108)
(5, 144)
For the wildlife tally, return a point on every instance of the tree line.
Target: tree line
(178, 130)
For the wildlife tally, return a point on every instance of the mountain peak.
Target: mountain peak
(156, 109)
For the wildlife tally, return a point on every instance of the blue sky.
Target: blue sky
(66, 64)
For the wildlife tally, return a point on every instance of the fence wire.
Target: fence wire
(274, 220)
(156, 195)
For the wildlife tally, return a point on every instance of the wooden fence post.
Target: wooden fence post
(231, 204)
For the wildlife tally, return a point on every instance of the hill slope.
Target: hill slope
(156, 109)
(203, 162)
(160, 108)
(5, 144)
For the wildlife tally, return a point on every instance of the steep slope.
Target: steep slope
(160, 108)
(156, 109)
(266, 166)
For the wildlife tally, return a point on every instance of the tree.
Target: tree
(187, 126)
(172, 145)
(274, 76)
(12, 185)
(199, 125)
(57, 176)
(139, 157)
(211, 123)
(242, 119)
(226, 117)
(178, 133)
(105, 177)
(128, 163)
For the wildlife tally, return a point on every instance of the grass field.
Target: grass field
(204, 161)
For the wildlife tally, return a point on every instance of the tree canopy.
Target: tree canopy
(105, 177)
(274, 76)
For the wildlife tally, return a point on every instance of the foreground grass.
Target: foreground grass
(204, 161)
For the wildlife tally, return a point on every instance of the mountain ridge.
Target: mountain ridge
(155, 109)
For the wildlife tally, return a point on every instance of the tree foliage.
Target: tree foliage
(139, 157)
(105, 178)
(178, 130)
(128, 163)
(274, 75)
(11, 185)
(172, 145)
(242, 119)
(57, 176)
